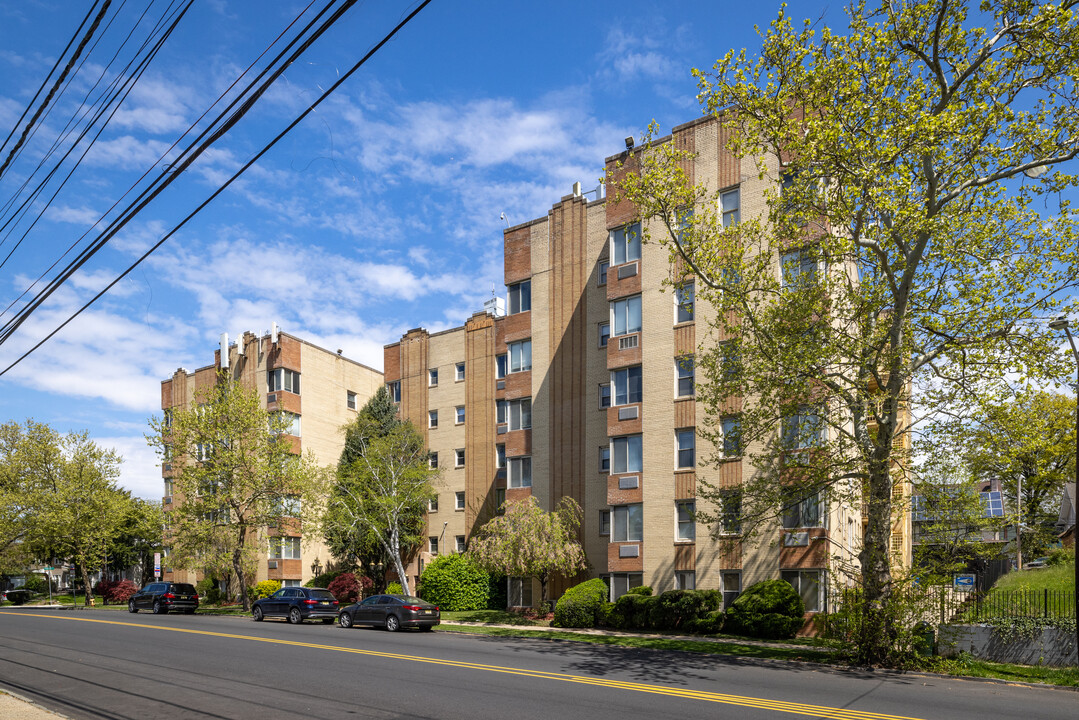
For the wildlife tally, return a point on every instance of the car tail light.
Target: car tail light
(195, 596)
(309, 601)
(414, 608)
(169, 596)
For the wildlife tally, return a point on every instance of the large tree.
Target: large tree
(917, 255)
(138, 538)
(235, 474)
(527, 541)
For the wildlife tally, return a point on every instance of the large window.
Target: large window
(520, 472)
(520, 414)
(686, 523)
(730, 584)
(622, 582)
(731, 427)
(520, 355)
(686, 442)
(627, 454)
(683, 369)
(730, 511)
(518, 592)
(627, 385)
(730, 205)
(807, 584)
(395, 390)
(683, 301)
(798, 268)
(802, 512)
(626, 244)
(802, 428)
(627, 523)
(285, 548)
(291, 423)
(730, 360)
(685, 580)
(626, 315)
(520, 297)
(285, 380)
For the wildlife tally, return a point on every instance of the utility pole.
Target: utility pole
(1019, 525)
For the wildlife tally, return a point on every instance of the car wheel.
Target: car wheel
(392, 623)
(257, 614)
(159, 609)
(131, 606)
(294, 616)
(345, 620)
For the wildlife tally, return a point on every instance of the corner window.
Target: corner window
(627, 385)
(626, 315)
(625, 244)
(683, 301)
(604, 522)
(350, 400)
(520, 414)
(459, 372)
(394, 389)
(730, 205)
(284, 548)
(520, 297)
(459, 500)
(685, 512)
(520, 353)
(807, 584)
(802, 512)
(432, 418)
(686, 441)
(459, 457)
(627, 454)
(628, 523)
(604, 334)
(460, 414)
(520, 472)
(605, 395)
(683, 368)
(291, 424)
(285, 380)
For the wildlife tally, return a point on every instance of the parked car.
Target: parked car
(297, 604)
(1038, 563)
(391, 612)
(162, 597)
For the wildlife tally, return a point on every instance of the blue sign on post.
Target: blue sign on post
(964, 582)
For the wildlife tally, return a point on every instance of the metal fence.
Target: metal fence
(978, 606)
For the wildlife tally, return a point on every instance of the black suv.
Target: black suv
(164, 596)
(297, 604)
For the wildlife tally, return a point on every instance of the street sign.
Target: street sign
(964, 582)
(157, 564)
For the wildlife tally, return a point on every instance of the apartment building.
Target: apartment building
(322, 390)
(584, 388)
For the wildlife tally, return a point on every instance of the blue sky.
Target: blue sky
(381, 212)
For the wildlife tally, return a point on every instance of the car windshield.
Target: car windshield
(321, 595)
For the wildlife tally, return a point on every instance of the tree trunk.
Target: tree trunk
(543, 591)
(87, 590)
(238, 568)
(394, 551)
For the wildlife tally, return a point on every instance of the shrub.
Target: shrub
(1060, 556)
(347, 588)
(582, 606)
(674, 608)
(708, 624)
(122, 591)
(266, 588)
(104, 588)
(640, 590)
(324, 580)
(36, 584)
(631, 611)
(769, 609)
(455, 582)
(395, 588)
(208, 591)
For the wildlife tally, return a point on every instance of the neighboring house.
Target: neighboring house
(1066, 522)
(582, 385)
(323, 390)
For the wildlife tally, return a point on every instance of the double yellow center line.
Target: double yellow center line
(818, 711)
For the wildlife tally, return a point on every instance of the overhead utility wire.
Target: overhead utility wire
(44, 103)
(227, 183)
(171, 173)
(129, 82)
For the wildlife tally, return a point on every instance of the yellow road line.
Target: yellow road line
(738, 700)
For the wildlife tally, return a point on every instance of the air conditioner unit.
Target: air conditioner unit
(272, 565)
(271, 398)
(628, 342)
(167, 501)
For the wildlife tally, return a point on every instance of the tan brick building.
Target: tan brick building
(323, 389)
(585, 389)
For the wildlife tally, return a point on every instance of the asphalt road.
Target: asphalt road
(116, 665)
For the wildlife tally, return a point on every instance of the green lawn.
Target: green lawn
(1058, 577)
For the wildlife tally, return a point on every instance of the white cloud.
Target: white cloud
(141, 471)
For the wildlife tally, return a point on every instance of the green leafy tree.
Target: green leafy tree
(235, 474)
(903, 251)
(138, 538)
(455, 582)
(527, 541)
(21, 490)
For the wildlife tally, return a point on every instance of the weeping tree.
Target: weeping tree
(914, 236)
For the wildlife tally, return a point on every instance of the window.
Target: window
(622, 582)
(683, 301)
(459, 372)
(730, 360)
(168, 488)
(626, 244)
(432, 418)
(501, 407)
(432, 504)
(203, 451)
(432, 460)
(685, 580)
(459, 500)
(731, 427)
(605, 395)
(802, 512)
(604, 334)
(501, 365)
(285, 548)
(730, 584)
(627, 454)
(500, 501)
(627, 385)
(520, 297)
(290, 424)
(500, 456)
(459, 544)
(459, 457)
(604, 266)
(520, 355)
(520, 472)
(604, 522)
(802, 429)
(686, 515)
(798, 268)
(350, 400)
(807, 584)
(518, 592)
(285, 380)
(605, 459)
(628, 523)
(683, 368)
(432, 544)
(520, 414)
(432, 377)
(288, 506)
(395, 390)
(626, 315)
(686, 441)
(730, 203)
(460, 414)
(730, 511)
(290, 583)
